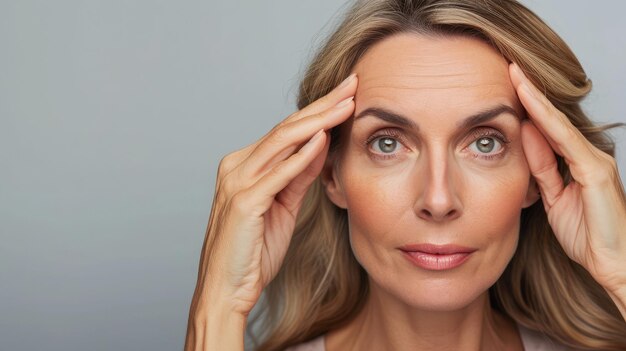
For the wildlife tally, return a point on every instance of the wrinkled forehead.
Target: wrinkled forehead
(413, 71)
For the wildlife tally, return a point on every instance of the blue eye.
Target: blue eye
(385, 145)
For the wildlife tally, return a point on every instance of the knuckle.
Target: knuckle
(231, 161)
(567, 134)
(601, 177)
(240, 202)
(605, 171)
(227, 185)
(278, 125)
(280, 135)
(278, 169)
(610, 168)
(547, 167)
(282, 168)
(314, 121)
(321, 115)
(293, 116)
(610, 160)
(225, 165)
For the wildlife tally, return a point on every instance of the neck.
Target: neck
(387, 324)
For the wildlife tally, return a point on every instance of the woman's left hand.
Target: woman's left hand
(588, 216)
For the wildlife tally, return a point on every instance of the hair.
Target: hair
(321, 286)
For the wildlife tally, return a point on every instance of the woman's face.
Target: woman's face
(433, 156)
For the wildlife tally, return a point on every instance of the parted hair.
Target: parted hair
(321, 286)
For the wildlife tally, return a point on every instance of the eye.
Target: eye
(385, 145)
(488, 144)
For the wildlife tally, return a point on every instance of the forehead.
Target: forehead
(416, 74)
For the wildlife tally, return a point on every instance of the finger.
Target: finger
(261, 195)
(292, 196)
(284, 141)
(516, 82)
(566, 139)
(233, 160)
(548, 139)
(542, 164)
(344, 90)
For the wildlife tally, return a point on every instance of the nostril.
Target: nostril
(428, 215)
(425, 214)
(452, 214)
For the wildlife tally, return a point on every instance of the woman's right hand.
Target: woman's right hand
(259, 191)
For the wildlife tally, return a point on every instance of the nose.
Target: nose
(438, 195)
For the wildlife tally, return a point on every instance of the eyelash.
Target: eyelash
(490, 133)
(393, 133)
(475, 135)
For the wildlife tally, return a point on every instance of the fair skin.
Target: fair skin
(434, 185)
(260, 190)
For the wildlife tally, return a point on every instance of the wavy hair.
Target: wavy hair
(321, 286)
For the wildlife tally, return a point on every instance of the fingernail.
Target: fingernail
(346, 81)
(344, 102)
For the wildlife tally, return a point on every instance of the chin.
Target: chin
(438, 295)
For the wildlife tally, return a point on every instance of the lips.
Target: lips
(434, 249)
(437, 257)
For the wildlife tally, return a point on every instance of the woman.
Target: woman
(449, 194)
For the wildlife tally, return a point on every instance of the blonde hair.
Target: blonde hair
(321, 286)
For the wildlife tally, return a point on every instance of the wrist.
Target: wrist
(214, 325)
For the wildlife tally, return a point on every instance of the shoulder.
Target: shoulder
(536, 341)
(316, 344)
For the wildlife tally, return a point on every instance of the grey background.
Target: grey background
(113, 118)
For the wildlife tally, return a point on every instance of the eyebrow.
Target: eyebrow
(475, 119)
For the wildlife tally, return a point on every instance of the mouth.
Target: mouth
(437, 249)
(437, 257)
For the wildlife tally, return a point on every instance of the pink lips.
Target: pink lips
(436, 257)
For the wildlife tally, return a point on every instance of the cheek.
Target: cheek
(493, 208)
(379, 207)
(496, 197)
(376, 199)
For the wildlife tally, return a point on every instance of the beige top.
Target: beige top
(532, 341)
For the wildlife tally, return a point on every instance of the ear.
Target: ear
(533, 194)
(330, 181)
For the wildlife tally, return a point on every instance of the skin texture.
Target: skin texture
(436, 185)
(259, 191)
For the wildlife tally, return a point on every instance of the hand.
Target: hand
(588, 215)
(259, 192)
